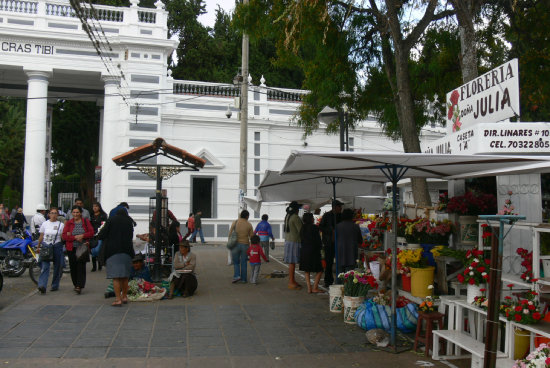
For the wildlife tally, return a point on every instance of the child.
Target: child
(263, 230)
(254, 252)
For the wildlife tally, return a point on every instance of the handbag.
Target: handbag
(82, 253)
(46, 253)
(232, 240)
(272, 245)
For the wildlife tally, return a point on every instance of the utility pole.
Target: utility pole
(244, 123)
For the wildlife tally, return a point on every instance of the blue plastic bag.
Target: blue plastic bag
(370, 315)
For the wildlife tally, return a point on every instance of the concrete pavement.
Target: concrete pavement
(222, 325)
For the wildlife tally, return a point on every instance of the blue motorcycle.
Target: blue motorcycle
(18, 254)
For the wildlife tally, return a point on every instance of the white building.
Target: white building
(45, 54)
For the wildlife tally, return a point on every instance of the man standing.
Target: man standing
(327, 228)
(37, 220)
(349, 238)
(198, 228)
(80, 203)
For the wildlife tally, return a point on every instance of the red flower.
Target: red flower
(486, 277)
(510, 285)
(472, 281)
(518, 308)
(517, 317)
(483, 290)
(460, 278)
(487, 261)
(481, 269)
(537, 316)
(450, 113)
(454, 97)
(531, 307)
(508, 297)
(484, 225)
(534, 280)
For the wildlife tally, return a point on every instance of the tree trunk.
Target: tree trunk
(465, 12)
(411, 142)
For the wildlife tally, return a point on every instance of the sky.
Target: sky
(209, 18)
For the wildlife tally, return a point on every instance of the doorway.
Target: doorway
(203, 198)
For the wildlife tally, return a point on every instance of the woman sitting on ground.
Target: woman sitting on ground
(139, 269)
(184, 279)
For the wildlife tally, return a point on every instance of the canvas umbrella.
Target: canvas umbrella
(305, 188)
(394, 166)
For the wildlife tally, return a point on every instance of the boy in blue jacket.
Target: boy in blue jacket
(263, 230)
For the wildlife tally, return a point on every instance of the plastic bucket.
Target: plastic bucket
(421, 278)
(472, 291)
(351, 303)
(335, 301)
(521, 343)
(405, 282)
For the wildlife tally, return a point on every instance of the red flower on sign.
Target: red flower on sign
(450, 113)
(454, 97)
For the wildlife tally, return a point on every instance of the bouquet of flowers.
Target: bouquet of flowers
(525, 311)
(141, 290)
(527, 264)
(481, 301)
(357, 283)
(412, 258)
(508, 208)
(442, 202)
(472, 204)
(476, 268)
(540, 357)
(427, 305)
(423, 230)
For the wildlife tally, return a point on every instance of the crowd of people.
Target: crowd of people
(108, 241)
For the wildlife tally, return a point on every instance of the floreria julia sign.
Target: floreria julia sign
(489, 98)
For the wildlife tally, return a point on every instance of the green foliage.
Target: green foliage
(10, 197)
(75, 142)
(12, 142)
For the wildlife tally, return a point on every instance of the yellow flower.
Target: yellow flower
(354, 280)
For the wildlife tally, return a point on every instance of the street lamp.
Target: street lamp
(328, 115)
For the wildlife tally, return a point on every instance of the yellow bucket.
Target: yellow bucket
(421, 278)
(521, 343)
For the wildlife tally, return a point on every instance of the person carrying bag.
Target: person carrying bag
(50, 248)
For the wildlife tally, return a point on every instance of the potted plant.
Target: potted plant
(356, 287)
(525, 311)
(468, 207)
(427, 305)
(475, 274)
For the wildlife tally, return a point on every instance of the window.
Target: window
(256, 136)
(256, 164)
(256, 149)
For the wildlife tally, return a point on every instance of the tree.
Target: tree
(339, 39)
(75, 142)
(12, 141)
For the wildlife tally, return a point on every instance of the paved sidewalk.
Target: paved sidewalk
(223, 325)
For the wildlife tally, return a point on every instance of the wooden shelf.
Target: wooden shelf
(508, 278)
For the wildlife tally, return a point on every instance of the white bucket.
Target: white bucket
(336, 304)
(472, 291)
(401, 242)
(351, 303)
(375, 269)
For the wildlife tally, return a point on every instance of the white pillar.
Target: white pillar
(34, 178)
(109, 134)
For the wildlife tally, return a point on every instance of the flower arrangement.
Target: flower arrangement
(423, 230)
(481, 301)
(384, 299)
(540, 357)
(476, 268)
(486, 235)
(527, 264)
(427, 305)
(442, 202)
(372, 229)
(508, 208)
(357, 283)
(525, 311)
(472, 204)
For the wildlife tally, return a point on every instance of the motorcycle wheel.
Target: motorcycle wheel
(34, 271)
(16, 272)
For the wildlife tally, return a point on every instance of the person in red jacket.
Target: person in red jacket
(77, 233)
(254, 253)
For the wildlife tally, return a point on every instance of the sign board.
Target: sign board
(488, 138)
(489, 98)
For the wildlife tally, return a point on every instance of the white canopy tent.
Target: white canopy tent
(394, 166)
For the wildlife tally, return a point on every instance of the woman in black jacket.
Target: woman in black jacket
(117, 235)
(310, 252)
(97, 218)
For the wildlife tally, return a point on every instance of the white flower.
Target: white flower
(526, 311)
(471, 268)
(430, 287)
(476, 260)
(484, 273)
(530, 303)
(471, 273)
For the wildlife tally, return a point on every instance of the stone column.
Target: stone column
(110, 132)
(34, 178)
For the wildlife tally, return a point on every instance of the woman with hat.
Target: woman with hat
(183, 278)
(117, 235)
(139, 269)
(292, 227)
